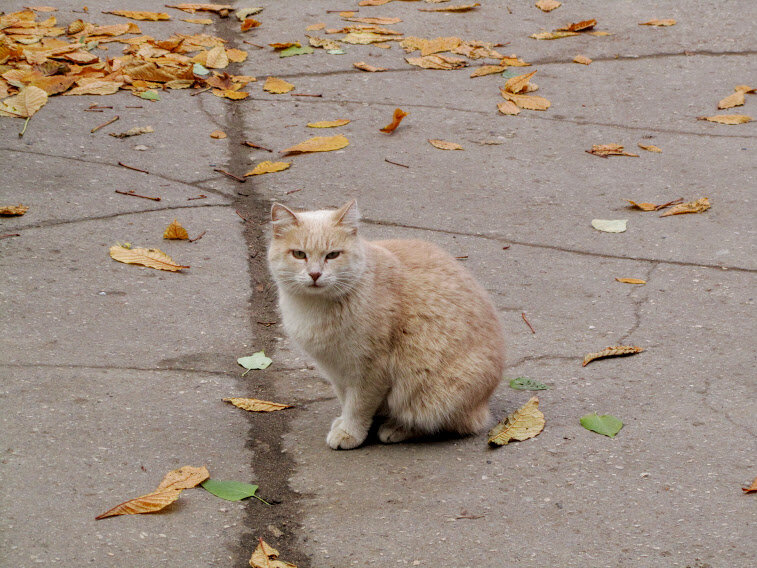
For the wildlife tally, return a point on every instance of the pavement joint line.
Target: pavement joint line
(115, 368)
(638, 304)
(503, 239)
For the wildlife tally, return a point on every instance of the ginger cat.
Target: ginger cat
(399, 327)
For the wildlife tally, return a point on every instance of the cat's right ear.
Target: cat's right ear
(282, 219)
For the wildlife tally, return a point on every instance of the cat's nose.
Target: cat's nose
(315, 276)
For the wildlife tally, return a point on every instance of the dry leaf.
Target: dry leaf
(218, 134)
(264, 556)
(23, 105)
(268, 167)
(315, 27)
(578, 26)
(149, 503)
(202, 21)
(149, 16)
(528, 102)
(514, 61)
(444, 145)
(605, 150)
(397, 117)
(613, 351)
(329, 123)
(699, 206)
(175, 231)
(255, 405)
(649, 147)
(519, 83)
(582, 59)
(643, 206)
(364, 38)
(553, 35)
(136, 131)
(231, 94)
(430, 46)
(526, 422)
(442, 62)
(152, 258)
(278, 46)
(727, 118)
(217, 58)
(457, 8)
(249, 23)
(508, 107)
(318, 144)
(236, 55)
(95, 87)
(669, 22)
(377, 21)
(323, 43)
(488, 70)
(631, 280)
(277, 86)
(192, 8)
(736, 99)
(548, 5)
(13, 210)
(185, 477)
(752, 488)
(366, 67)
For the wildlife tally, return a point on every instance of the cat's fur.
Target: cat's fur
(399, 327)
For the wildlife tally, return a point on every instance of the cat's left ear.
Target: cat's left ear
(282, 219)
(347, 216)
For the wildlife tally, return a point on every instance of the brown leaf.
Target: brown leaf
(578, 26)
(268, 167)
(669, 22)
(514, 61)
(649, 147)
(553, 35)
(745, 89)
(442, 62)
(377, 21)
(430, 46)
(152, 258)
(23, 105)
(175, 231)
(736, 99)
(255, 405)
(149, 503)
(457, 8)
(278, 46)
(277, 86)
(236, 55)
(328, 123)
(397, 117)
(752, 488)
(362, 65)
(192, 8)
(315, 27)
(526, 422)
(613, 351)
(249, 23)
(582, 59)
(548, 5)
(218, 134)
(488, 70)
(136, 131)
(727, 118)
(185, 477)
(605, 150)
(264, 556)
(444, 145)
(529, 102)
(643, 206)
(519, 83)
(217, 58)
(13, 210)
(508, 107)
(323, 43)
(149, 16)
(699, 206)
(631, 280)
(318, 144)
(95, 87)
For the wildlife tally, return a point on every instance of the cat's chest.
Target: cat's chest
(317, 328)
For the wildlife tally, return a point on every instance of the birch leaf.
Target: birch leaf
(295, 50)
(614, 351)
(524, 383)
(699, 206)
(328, 123)
(255, 405)
(736, 99)
(606, 424)
(526, 422)
(508, 107)
(175, 231)
(318, 144)
(192, 8)
(152, 258)
(277, 86)
(444, 145)
(528, 102)
(440, 62)
(217, 58)
(578, 26)
(25, 103)
(268, 167)
(13, 210)
(519, 83)
(604, 150)
(257, 361)
(727, 118)
(229, 490)
(397, 117)
(218, 134)
(184, 478)
(149, 503)
(610, 225)
(631, 280)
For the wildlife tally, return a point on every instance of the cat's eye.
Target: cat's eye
(298, 254)
(333, 254)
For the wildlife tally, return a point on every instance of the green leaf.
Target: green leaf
(294, 50)
(606, 424)
(230, 490)
(508, 73)
(524, 383)
(255, 361)
(198, 69)
(150, 95)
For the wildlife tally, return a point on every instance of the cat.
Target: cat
(399, 327)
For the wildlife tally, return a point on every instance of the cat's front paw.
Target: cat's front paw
(341, 438)
(390, 432)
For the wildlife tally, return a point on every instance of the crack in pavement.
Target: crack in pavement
(638, 303)
(114, 367)
(502, 239)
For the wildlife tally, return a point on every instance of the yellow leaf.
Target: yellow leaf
(548, 5)
(397, 117)
(528, 102)
(218, 134)
(175, 231)
(278, 46)
(605, 150)
(318, 144)
(323, 43)
(488, 70)
(745, 88)
(514, 61)
(444, 145)
(329, 123)
(430, 46)
(631, 280)
(669, 22)
(268, 167)
(362, 65)
(192, 8)
(184, 478)
(236, 55)
(736, 99)
(578, 26)
(553, 35)
(255, 405)
(152, 258)
(231, 94)
(202, 21)
(649, 147)
(727, 118)
(699, 206)
(149, 16)
(442, 62)
(582, 59)
(643, 206)
(508, 107)
(217, 58)
(11, 210)
(613, 351)
(149, 503)
(458, 8)
(277, 86)
(264, 556)
(519, 83)
(315, 27)
(95, 87)
(23, 105)
(364, 38)
(526, 422)
(378, 21)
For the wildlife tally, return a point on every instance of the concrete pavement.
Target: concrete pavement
(113, 374)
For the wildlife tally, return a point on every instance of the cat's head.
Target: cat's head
(316, 253)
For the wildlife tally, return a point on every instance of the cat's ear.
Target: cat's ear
(282, 219)
(347, 216)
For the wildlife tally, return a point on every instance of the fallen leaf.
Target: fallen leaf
(255, 405)
(727, 118)
(23, 105)
(605, 424)
(218, 134)
(457, 8)
(736, 99)
(553, 35)
(315, 27)
(362, 65)
(548, 5)
(643, 206)
(185, 477)
(217, 58)
(150, 95)
(745, 89)
(649, 147)
(278, 46)
(578, 26)
(328, 123)
(614, 351)
(444, 145)
(256, 361)
(249, 23)
(192, 8)
(429, 46)
(508, 107)
(364, 38)
(277, 86)
(229, 490)
(669, 22)
(175, 231)
(513, 61)
(397, 117)
(582, 59)
(631, 281)
(524, 383)
(488, 70)
(149, 503)
(528, 102)
(236, 55)
(202, 21)
(13, 210)
(605, 150)
(752, 488)
(136, 131)
(519, 83)
(323, 43)
(95, 87)
(243, 13)
(149, 16)
(268, 167)
(699, 206)
(231, 94)
(377, 21)
(294, 50)
(610, 225)
(441, 62)
(526, 422)
(152, 258)
(264, 556)
(318, 144)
